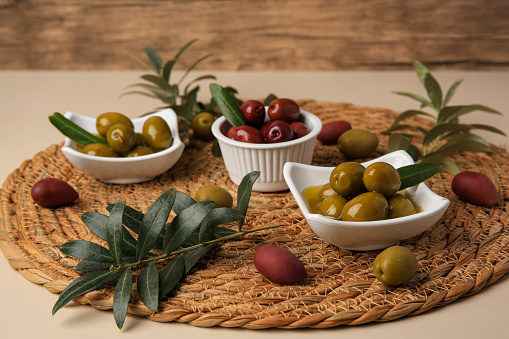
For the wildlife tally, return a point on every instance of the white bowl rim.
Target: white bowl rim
(313, 133)
(442, 202)
(165, 113)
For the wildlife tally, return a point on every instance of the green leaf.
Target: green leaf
(140, 61)
(412, 175)
(169, 65)
(154, 221)
(488, 128)
(450, 113)
(192, 257)
(399, 141)
(228, 105)
(271, 97)
(87, 250)
(439, 130)
(123, 290)
(223, 232)
(84, 284)
(421, 71)
(193, 66)
(465, 142)
(148, 286)
(200, 78)
(161, 83)
(182, 201)
(170, 275)
(451, 91)
(154, 58)
(417, 97)
(215, 150)
(185, 224)
(219, 216)
(410, 113)
(88, 266)
(114, 235)
(414, 152)
(399, 127)
(244, 194)
(73, 131)
(96, 222)
(447, 164)
(131, 218)
(434, 91)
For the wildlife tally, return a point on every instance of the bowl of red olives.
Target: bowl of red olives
(359, 206)
(271, 136)
(130, 151)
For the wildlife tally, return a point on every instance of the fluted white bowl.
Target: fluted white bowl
(365, 235)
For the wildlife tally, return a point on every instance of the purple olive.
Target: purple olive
(283, 109)
(52, 192)
(254, 112)
(475, 188)
(278, 131)
(247, 134)
(279, 265)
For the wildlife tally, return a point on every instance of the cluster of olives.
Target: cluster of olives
(356, 193)
(282, 125)
(118, 131)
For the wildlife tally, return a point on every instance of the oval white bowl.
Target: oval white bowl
(126, 170)
(241, 158)
(368, 235)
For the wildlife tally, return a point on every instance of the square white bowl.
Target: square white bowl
(241, 158)
(366, 235)
(125, 170)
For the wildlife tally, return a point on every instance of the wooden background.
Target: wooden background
(256, 34)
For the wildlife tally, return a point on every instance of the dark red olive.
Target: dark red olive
(248, 134)
(475, 187)
(283, 109)
(299, 129)
(230, 132)
(254, 112)
(331, 131)
(278, 131)
(279, 265)
(52, 192)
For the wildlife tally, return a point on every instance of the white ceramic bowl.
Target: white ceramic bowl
(241, 158)
(368, 235)
(126, 170)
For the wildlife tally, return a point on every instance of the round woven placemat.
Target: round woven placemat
(467, 250)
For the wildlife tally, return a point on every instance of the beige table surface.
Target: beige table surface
(27, 98)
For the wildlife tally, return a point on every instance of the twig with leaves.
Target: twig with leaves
(178, 245)
(448, 135)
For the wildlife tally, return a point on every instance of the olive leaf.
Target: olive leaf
(122, 295)
(227, 105)
(148, 286)
(87, 250)
(170, 275)
(114, 234)
(216, 217)
(244, 194)
(414, 174)
(73, 131)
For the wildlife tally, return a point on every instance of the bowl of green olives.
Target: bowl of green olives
(153, 147)
(242, 157)
(363, 228)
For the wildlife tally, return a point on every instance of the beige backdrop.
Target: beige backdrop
(256, 34)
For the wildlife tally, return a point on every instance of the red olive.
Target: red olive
(279, 265)
(254, 112)
(52, 192)
(299, 129)
(475, 188)
(331, 131)
(248, 134)
(278, 131)
(283, 109)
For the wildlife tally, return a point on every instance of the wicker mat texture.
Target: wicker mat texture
(467, 250)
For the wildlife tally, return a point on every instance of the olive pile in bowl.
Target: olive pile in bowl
(358, 193)
(158, 154)
(118, 131)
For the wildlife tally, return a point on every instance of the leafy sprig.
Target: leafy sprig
(178, 244)
(448, 135)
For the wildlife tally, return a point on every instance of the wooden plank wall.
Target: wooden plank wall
(256, 34)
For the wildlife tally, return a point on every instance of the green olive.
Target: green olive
(139, 140)
(219, 195)
(400, 206)
(395, 265)
(157, 133)
(357, 143)
(332, 206)
(346, 179)
(382, 178)
(99, 150)
(104, 121)
(121, 138)
(138, 151)
(369, 206)
(202, 126)
(326, 191)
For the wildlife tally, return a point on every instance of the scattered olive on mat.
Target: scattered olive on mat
(475, 188)
(52, 192)
(395, 265)
(219, 195)
(279, 265)
(357, 143)
(331, 131)
(202, 126)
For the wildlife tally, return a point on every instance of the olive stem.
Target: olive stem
(190, 248)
